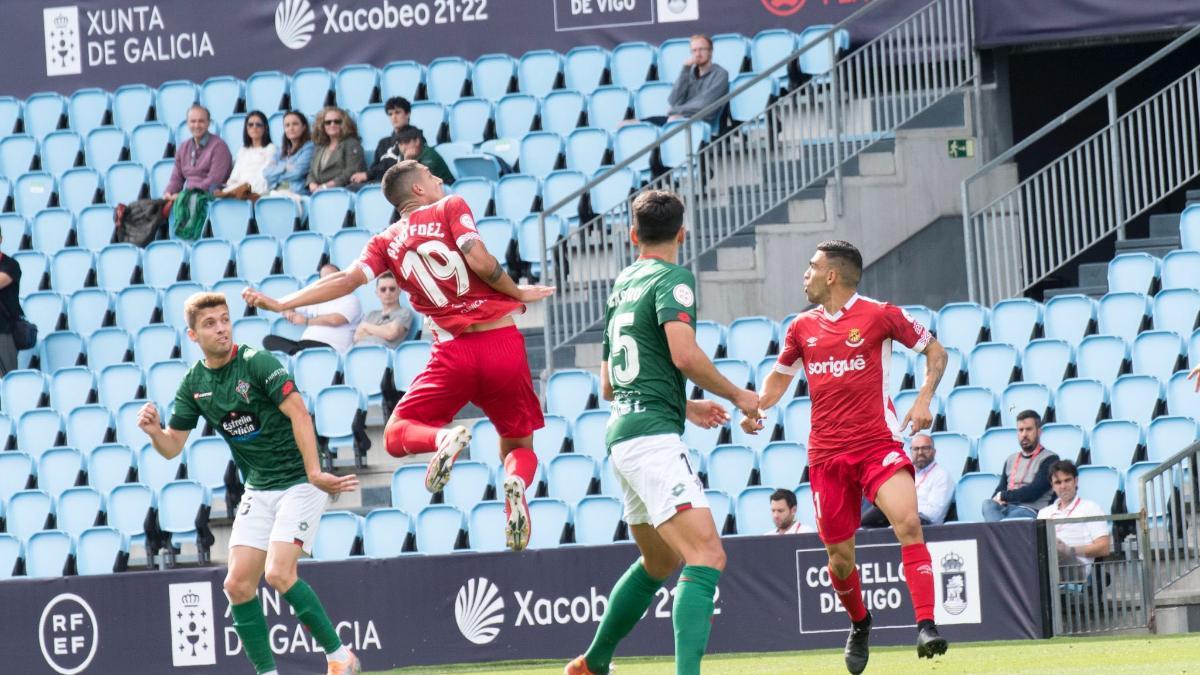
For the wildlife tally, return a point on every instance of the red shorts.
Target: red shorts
(840, 483)
(489, 369)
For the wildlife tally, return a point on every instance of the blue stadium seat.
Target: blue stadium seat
(162, 263)
(128, 507)
(10, 113)
(428, 116)
(401, 78)
(365, 369)
(445, 79)
(710, 335)
(548, 441)
(336, 409)
(384, 532)
(797, 420)
(651, 100)
(119, 383)
(1133, 273)
(608, 106)
(77, 191)
(1158, 353)
(408, 488)
(183, 515)
(88, 427)
(721, 507)
(374, 125)
(173, 100)
(210, 261)
(960, 325)
(221, 95)
(277, 216)
(107, 346)
(45, 309)
(355, 85)
(1136, 397)
(207, 461)
(409, 360)
(1020, 396)
(487, 524)
(1015, 321)
(968, 410)
(50, 229)
(1122, 314)
(303, 253)
(492, 75)
(1046, 361)
(539, 153)
(13, 227)
(230, 218)
(782, 463)
(16, 155)
(1189, 228)
(903, 402)
(497, 234)
(372, 213)
(584, 68)
(148, 143)
(124, 183)
(561, 111)
(1177, 310)
(468, 484)
(87, 108)
(1165, 436)
(173, 299)
(558, 185)
(59, 469)
(231, 132)
(32, 193)
(338, 535)
(752, 101)
(256, 257)
(588, 434)
(1099, 484)
(1102, 358)
(1181, 269)
(515, 195)
(1069, 318)
(136, 305)
(154, 470)
(970, 492)
(21, 391)
(60, 151)
(265, 91)
(515, 114)
(34, 266)
(126, 414)
(327, 211)
(469, 119)
(60, 349)
(1181, 396)
(529, 238)
(1079, 401)
(438, 527)
(77, 509)
(597, 519)
(818, 61)
(570, 476)
(754, 510)
(16, 470)
(538, 72)
(477, 192)
(1067, 440)
(922, 315)
(611, 196)
(104, 147)
(992, 365)
(485, 445)
(28, 512)
(551, 516)
(570, 392)
(316, 368)
(44, 113)
(162, 381)
(730, 468)
(630, 64)
(1133, 496)
(94, 227)
(47, 554)
(674, 151)
(730, 51)
(735, 370)
(769, 47)
(109, 466)
(953, 451)
(995, 446)
(310, 90)
(750, 338)
(100, 550)
(250, 330)
(632, 139)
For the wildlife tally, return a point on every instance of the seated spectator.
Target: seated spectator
(783, 514)
(328, 324)
(398, 110)
(339, 153)
(1078, 544)
(1025, 484)
(202, 162)
(410, 144)
(935, 490)
(248, 179)
(10, 310)
(287, 174)
(700, 84)
(387, 326)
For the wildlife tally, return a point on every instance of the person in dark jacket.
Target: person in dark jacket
(410, 144)
(10, 310)
(1024, 487)
(398, 110)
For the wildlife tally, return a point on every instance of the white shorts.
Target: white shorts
(290, 515)
(656, 478)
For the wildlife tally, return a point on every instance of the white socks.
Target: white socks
(340, 655)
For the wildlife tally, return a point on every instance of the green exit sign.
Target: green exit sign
(960, 147)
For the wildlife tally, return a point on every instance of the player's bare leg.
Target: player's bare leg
(246, 566)
(897, 498)
(520, 465)
(846, 584)
(409, 437)
(281, 564)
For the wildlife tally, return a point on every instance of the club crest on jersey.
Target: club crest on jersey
(854, 339)
(243, 390)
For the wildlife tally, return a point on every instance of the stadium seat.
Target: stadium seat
(154, 470)
(28, 511)
(515, 195)
(230, 218)
(88, 427)
(277, 216)
(570, 392)
(34, 266)
(797, 420)
(100, 550)
(337, 408)
(316, 368)
(148, 143)
(105, 145)
(539, 153)
(970, 492)
(1079, 401)
(119, 383)
(992, 365)
(303, 253)
(124, 183)
(221, 95)
(265, 91)
(730, 468)
(32, 193)
(22, 391)
(61, 151)
(94, 227)
(77, 509)
(492, 76)
(584, 68)
(994, 448)
(651, 100)
(256, 257)
(953, 451)
(538, 72)
(588, 434)
(631, 139)
(173, 100)
(410, 359)
(86, 109)
(77, 191)
(551, 517)
(1181, 396)
(1133, 273)
(1136, 398)
(469, 119)
(630, 64)
(1045, 362)
(1102, 358)
(338, 535)
(11, 551)
(468, 485)
(365, 367)
(710, 335)
(751, 102)
(183, 515)
(819, 60)
(1123, 314)
(310, 90)
(750, 338)
(1176, 310)
(327, 211)
(162, 263)
(108, 345)
(210, 262)
(549, 441)
(136, 305)
(961, 324)
(1099, 484)
(514, 115)
(401, 78)
(45, 309)
(59, 469)
(385, 532)
(207, 461)
(608, 106)
(1159, 353)
(45, 113)
(597, 520)
(487, 523)
(754, 510)
(438, 527)
(128, 507)
(1181, 269)
(162, 381)
(47, 554)
(429, 117)
(569, 477)
(1020, 396)
(969, 410)
(16, 471)
(721, 507)
(445, 79)
(477, 192)
(10, 114)
(769, 47)
(1165, 436)
(249, 330)
(51, 229)
(1069, 318)
(1067, 440)
(16, 155)
(730, 51)
(782, 464)
(559, 185)
(109, 466)
(561, 111)
(13, 227)
(70, 269)
(60, 349)
(373, 213)
(408, 488)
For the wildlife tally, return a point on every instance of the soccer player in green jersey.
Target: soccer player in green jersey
(251, 400)
(649, 347)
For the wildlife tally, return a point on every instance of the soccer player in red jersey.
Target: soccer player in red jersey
(478, 356)
(854, 447)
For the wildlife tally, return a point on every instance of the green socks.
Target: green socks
(251, 627)
(310, 612)
(630, 598)
(692, 616)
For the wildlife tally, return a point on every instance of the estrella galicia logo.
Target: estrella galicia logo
(294, 23)
(479, 611)
(241, 426)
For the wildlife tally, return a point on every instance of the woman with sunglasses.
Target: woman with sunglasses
(248, 179)
(339, 153)
(287, 177)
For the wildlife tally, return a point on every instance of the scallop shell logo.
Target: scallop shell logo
(294, 23)
(478, 611)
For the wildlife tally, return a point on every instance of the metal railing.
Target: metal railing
(1110, 594)
(1170, 502)
(1018, 238)
(805, 135)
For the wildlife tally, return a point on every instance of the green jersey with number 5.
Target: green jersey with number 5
(648, 389)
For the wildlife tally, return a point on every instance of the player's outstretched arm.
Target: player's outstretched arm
(935, 365)
(306, 441)
(693, 362)
(486, 267)
(769, 394)
(322, 290)
(167, 442)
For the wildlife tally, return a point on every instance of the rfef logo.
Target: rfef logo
(479, 611)
(68, 634)
(783, 7)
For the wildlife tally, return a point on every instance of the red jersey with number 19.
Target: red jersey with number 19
(846, 357)
(422, 252)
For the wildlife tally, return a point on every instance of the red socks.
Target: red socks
(521, 462)
(918, 572)
(849, 591)
(406, 437)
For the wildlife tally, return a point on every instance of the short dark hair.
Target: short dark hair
(266, 138)
(289, 147)
(398, 181)
(397, 102)
(657, 215)
(1064, 466)
(1030, 415)
(846, 256)
(785, 495)
(409, 134)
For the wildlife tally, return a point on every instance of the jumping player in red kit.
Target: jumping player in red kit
(854, 448)
(478, 354)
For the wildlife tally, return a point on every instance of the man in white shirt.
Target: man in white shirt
(328, 324)
(1079, 544)
(934, 487)
(783, 514)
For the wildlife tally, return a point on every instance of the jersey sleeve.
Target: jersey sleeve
(270, 376)
(790, 356)
(373, 260)
(903, 328)
(460, 220)
(186, 412)
(675, 297)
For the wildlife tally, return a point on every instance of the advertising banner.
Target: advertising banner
(413, 610)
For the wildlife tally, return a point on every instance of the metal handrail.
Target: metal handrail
(1170, 498)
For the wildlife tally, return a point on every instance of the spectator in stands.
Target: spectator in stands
(410, 144)
(339, 153)
(328, 324)
(1078, 544)
(934, 487)
(248, 179)
(387, 326)
(286, 175)
(202, 162)
(783, 514)
(399, 110)
(10, 310)
(699, 85)
(1025, 484)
